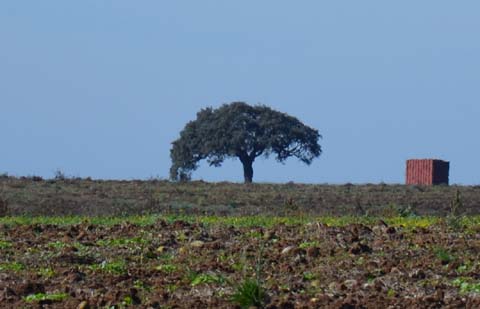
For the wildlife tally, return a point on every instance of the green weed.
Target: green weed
(166, 257)
(127, 301)
(308, 276)
(120, 242)
(391, 293)
(466, 285)
(46, 297)
(118, 267)
(5, 244)
(46, 272)
(443, 255)
(140, 285)
(171, 288)
(249, 294)
(253, 234)
(57, 245)
(207, 278)
(308, 244)
(12, 266)
(167, 268)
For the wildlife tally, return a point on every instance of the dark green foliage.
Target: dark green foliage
(242, 131)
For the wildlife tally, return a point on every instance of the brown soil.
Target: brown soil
(189, 265)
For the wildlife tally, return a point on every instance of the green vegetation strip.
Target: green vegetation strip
(237, 221)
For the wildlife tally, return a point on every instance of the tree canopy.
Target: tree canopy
(243, 131)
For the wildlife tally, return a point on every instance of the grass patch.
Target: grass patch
(249, 293)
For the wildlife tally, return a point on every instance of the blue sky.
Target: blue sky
(101, 88)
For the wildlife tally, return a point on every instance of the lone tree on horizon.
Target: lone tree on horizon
(243, 131)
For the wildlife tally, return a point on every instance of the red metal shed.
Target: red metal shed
(427, 172)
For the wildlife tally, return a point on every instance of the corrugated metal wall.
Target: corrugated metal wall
(427, 172)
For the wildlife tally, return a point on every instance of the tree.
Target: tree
(243, 131)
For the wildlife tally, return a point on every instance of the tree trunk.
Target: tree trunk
(247, 161)
(247, 168)
(248, 171)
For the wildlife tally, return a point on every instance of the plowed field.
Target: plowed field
(418, 263)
